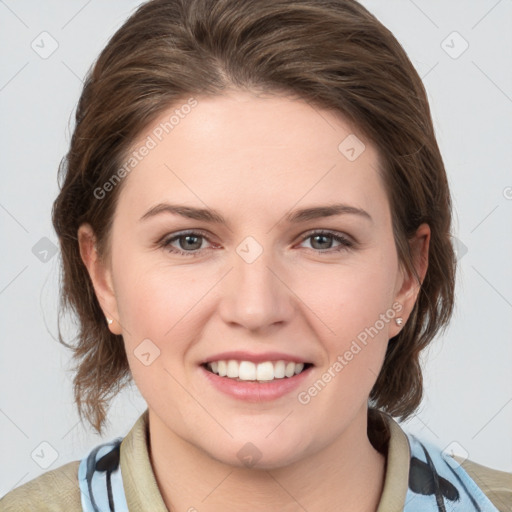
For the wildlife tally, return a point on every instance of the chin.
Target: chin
(256, 452)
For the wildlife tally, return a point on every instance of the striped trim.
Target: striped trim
(100, 480)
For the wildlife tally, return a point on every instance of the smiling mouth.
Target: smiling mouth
(247, 371)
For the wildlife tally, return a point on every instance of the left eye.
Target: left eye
(319, 238)
(190, 243)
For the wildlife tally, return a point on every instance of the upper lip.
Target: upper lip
(255, 358)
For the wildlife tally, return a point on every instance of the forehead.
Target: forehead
(246, 152)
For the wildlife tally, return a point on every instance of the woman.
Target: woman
(291, 145)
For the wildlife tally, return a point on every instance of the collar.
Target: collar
(419, 477)
(142, 491)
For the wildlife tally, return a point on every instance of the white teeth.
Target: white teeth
(279, 367)
(298, 368)
(265, 371)
(247, 370)
(290, 370)
(222, 368)
(232, 369)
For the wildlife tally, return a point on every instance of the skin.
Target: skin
(255, 158)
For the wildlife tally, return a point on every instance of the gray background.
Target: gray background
(468, 402)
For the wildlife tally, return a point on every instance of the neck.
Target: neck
(346, 475)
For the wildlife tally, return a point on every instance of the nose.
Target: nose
(256, 295)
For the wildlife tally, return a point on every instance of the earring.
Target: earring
(399, 321)
(109, 321)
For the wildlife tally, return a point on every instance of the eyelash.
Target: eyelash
(345, 242)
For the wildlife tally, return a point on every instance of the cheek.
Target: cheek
(158, 306)
(349, 299)
(153, 304)
(154, 298)
(353, 313)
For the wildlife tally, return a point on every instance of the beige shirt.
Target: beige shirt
(58, 490)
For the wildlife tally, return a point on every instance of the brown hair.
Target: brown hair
(333, 54)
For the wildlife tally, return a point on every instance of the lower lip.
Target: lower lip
(256, 391)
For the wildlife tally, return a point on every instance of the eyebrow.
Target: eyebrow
(294, 217)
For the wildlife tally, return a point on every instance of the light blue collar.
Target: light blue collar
(437, 483)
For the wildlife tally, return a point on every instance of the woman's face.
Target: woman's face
(260, 286)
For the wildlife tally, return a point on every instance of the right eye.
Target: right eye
(186, 240)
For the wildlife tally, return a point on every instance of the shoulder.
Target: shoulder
(497, 485)
(421, 475)
(53, 491)
(463, 483)
(68, 487)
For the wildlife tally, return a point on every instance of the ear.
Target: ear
(101, 276)
(407, 283)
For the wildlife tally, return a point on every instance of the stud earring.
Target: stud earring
(399, 321)
(109, 321)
